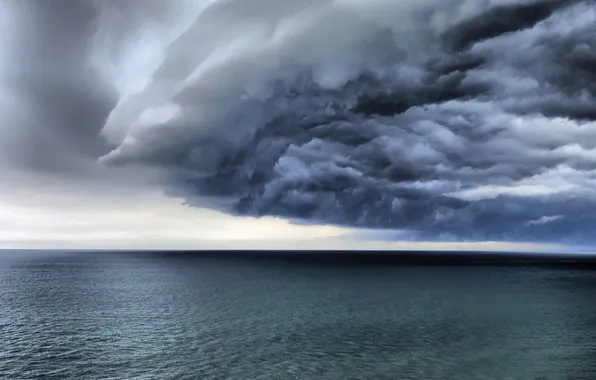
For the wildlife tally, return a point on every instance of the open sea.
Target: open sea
(136, 315)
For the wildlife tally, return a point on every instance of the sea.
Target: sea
(189, 315)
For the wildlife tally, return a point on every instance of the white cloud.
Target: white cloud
(544, 220)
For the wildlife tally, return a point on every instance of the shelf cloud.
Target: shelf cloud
(453, 120)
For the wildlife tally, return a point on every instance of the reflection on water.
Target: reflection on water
(156, 316)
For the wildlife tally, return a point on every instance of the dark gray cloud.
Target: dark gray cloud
(53, 106)
(454, 120)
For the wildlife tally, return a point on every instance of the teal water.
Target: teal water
(160, 316)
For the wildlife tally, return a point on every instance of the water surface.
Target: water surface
(183, 316)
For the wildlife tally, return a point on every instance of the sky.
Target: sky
(283, 124)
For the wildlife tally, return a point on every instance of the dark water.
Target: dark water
(160, 316)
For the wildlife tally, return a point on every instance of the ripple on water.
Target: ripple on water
(146, 316)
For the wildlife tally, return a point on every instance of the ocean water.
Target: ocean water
(183, 316)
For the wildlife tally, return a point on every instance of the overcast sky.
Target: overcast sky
(326, 124)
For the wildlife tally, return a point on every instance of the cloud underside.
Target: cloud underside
(453, 120)
(468, 122)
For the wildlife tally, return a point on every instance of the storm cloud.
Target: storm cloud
(451, 119)
(52, 104)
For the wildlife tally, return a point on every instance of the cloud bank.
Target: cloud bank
(450, 119)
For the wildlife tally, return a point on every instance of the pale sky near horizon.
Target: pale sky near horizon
(37, 212)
